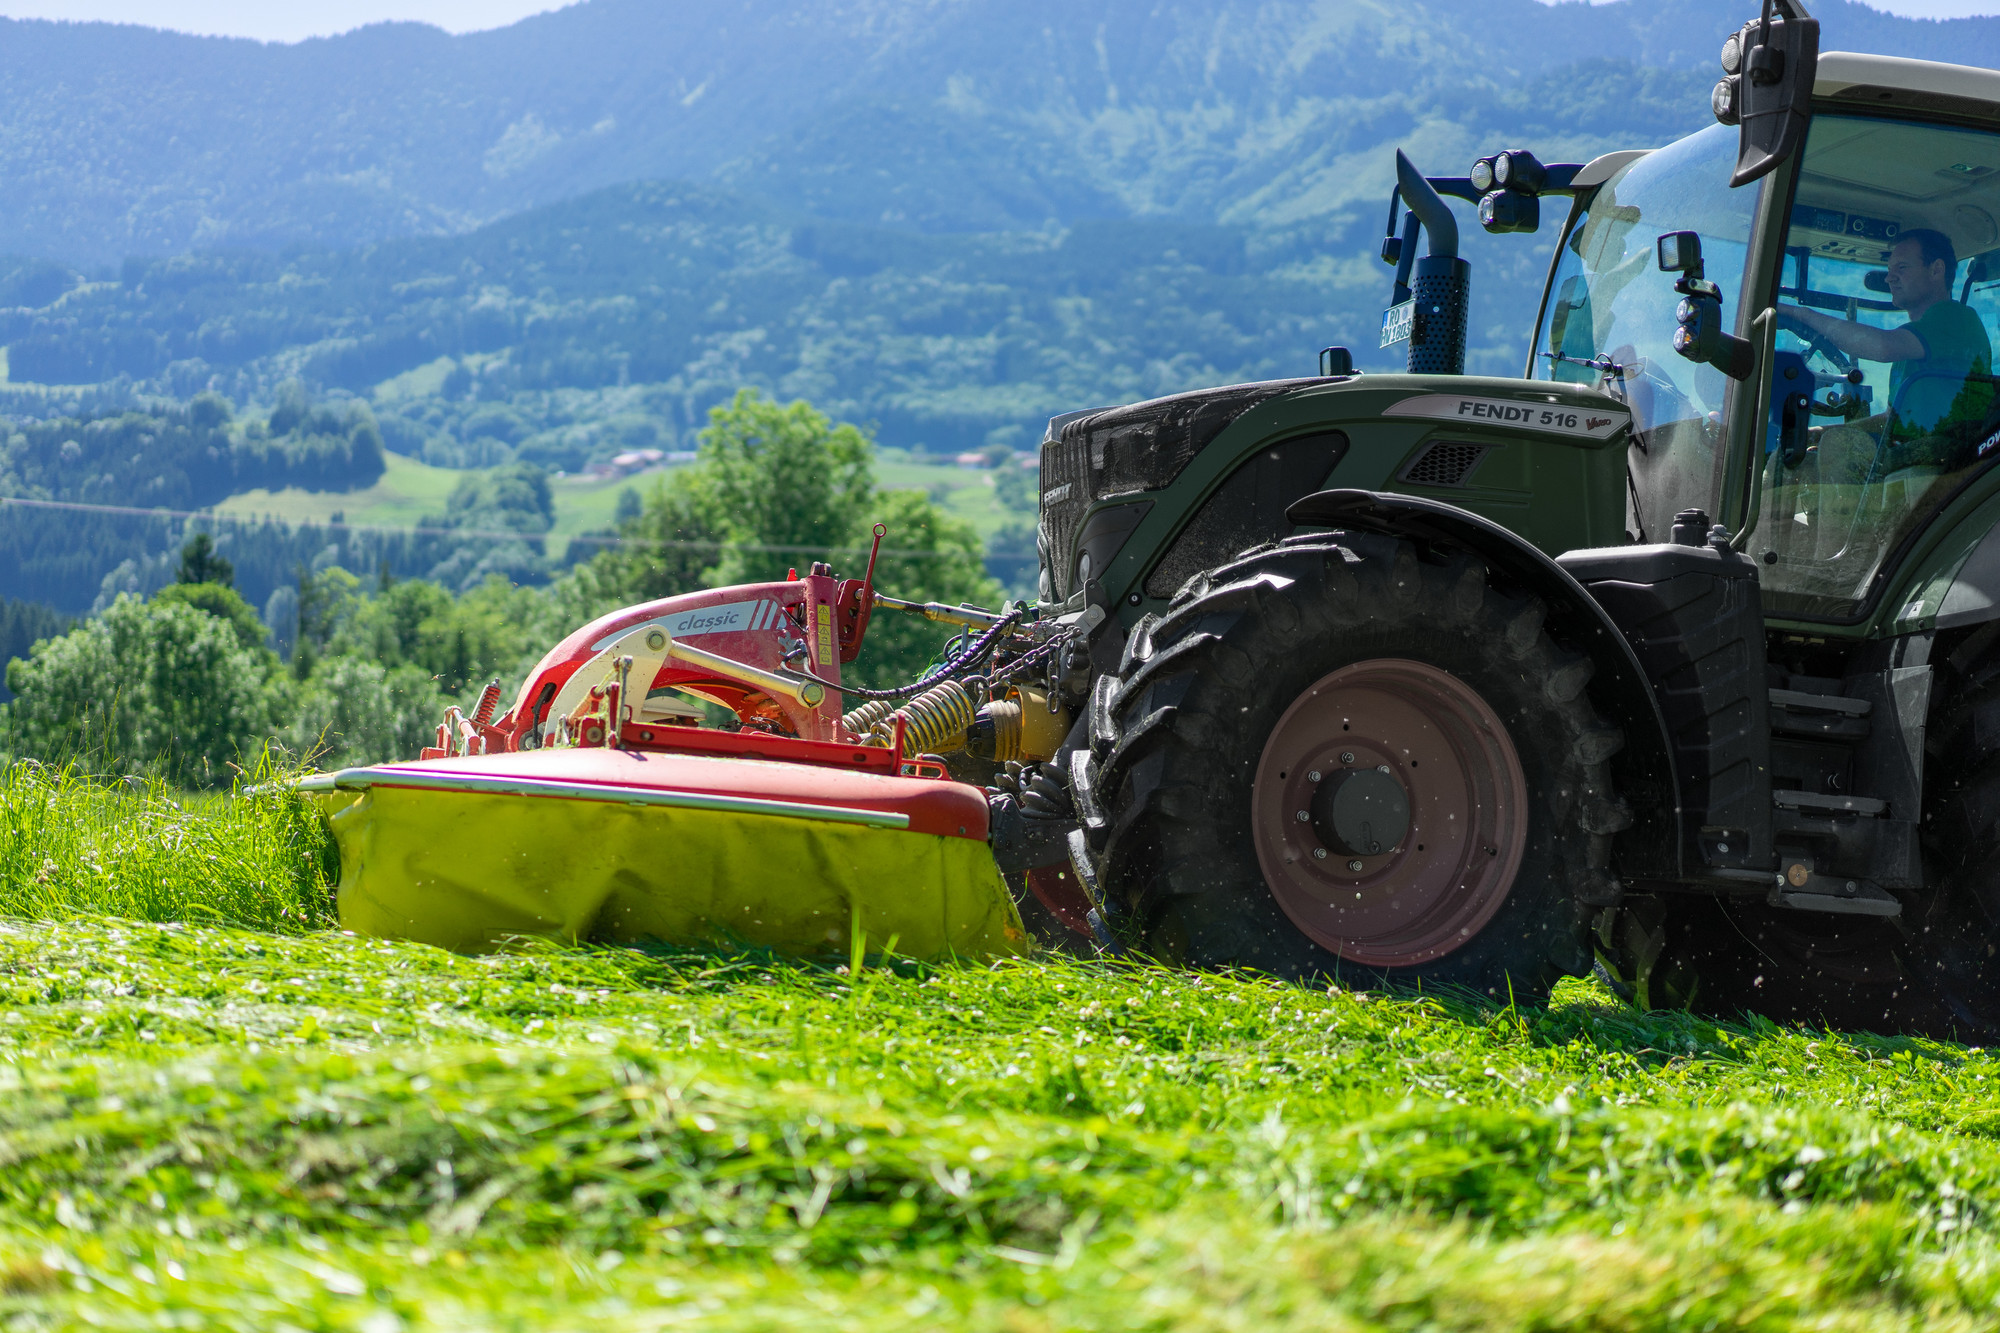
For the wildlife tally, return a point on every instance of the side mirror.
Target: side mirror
(1680, 252)
(1875, 280)
(1766, 87)
(1700, 337)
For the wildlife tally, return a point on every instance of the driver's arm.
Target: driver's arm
(1862, 340)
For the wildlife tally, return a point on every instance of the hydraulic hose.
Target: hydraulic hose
(958, 661)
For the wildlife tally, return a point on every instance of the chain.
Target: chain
(1034, 657)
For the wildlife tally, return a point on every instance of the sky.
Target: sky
(295, 20)
(281, 20)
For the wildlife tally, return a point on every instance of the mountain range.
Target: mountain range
(936, 115)
(943, 219)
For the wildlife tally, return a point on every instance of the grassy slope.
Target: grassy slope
(213, 1125)
(410, 490)
(407, 491)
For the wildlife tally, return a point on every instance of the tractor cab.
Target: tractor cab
(1862, 403)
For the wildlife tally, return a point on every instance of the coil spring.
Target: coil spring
(936, 720)
(489, 699)
(863, 719)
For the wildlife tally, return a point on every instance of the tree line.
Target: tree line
(191, 679)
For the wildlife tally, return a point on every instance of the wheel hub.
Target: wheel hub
(1359, 811)
(1390, 812)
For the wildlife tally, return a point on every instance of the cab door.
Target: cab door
(1882, 405)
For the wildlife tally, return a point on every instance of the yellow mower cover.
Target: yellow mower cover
(620, 845)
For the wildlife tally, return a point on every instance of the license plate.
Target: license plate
(1396, 322)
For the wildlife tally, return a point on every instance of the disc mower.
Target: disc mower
(683, 770)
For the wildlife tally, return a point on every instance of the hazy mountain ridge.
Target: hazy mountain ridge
(571, 237)
(938, 339)
(954, 115)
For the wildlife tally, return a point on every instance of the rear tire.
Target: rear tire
(1956, 945)
(1205, 823)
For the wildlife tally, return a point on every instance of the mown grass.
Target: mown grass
(207, 1125)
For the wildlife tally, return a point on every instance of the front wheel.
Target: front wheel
(1340, 759)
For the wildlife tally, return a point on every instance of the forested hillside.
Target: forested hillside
(683, 294)
(964, 115)
(238, 267)
(650, 301)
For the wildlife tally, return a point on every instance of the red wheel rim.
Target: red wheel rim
(1467, 810)
(1056, 888)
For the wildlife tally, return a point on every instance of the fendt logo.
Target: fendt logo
(1546, 418)
(1475, 407)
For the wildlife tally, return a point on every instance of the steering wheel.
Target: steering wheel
(1816, 344)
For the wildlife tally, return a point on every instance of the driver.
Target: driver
(1930, 360)
(1935, 352)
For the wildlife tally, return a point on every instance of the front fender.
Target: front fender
(1644, 770)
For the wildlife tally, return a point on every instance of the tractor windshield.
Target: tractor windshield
(1887, 308)
(1610, 319)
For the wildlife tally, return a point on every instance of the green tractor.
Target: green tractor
(1677, 656)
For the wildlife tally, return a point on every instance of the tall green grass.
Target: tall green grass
(337, 1131)
(216, 1126)
(74, 844)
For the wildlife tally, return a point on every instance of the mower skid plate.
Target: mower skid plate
(626, 846)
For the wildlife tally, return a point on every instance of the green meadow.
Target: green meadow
(218, 1111)
(410, 491)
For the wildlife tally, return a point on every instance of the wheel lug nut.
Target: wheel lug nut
(1319, 853)
(1381, 768)
(1347, 756)
(1354, 866)
(1313, 776)
(1305, 816)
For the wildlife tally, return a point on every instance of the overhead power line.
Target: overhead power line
(508, 535)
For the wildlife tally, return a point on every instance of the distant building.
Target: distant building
(636, 460)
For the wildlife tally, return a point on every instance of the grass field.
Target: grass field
(217, 1112)
(410, 490)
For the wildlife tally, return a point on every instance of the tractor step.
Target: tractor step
(1818, 717)
(1823, 893)
(1828, 803)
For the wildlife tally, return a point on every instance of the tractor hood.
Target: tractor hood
(1088, 456)
(1123, 484)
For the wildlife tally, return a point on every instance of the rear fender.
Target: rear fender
(1644, 770)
